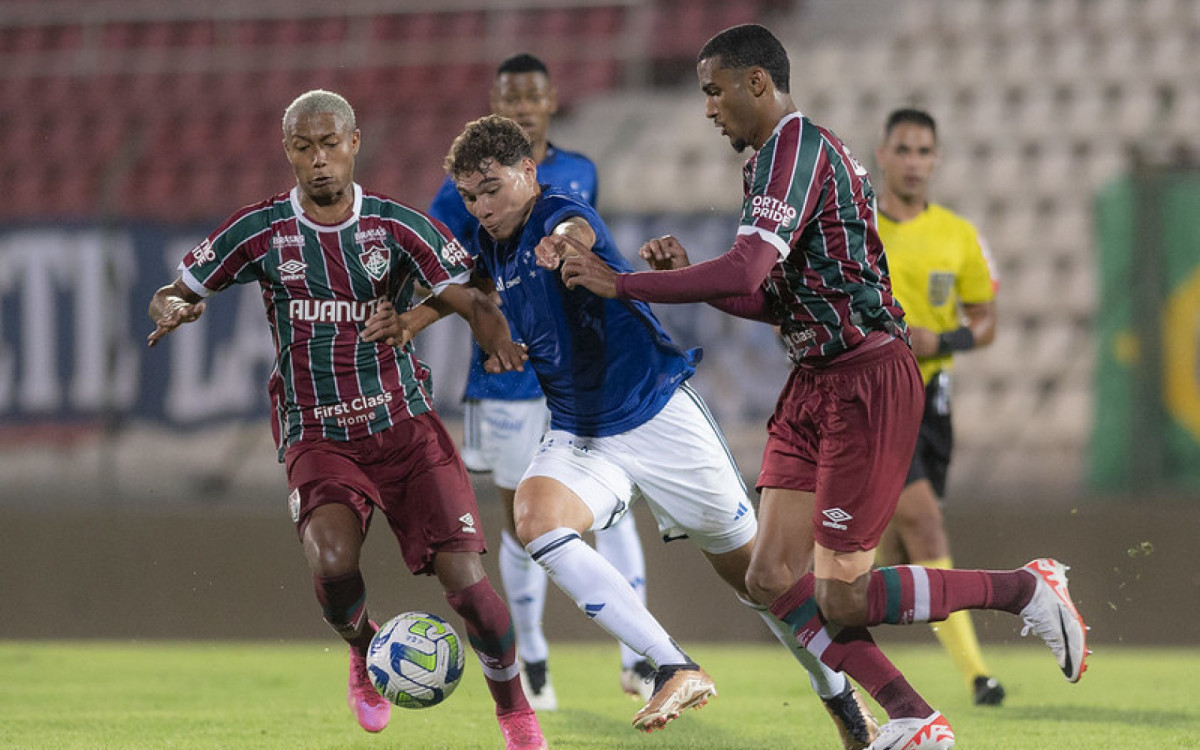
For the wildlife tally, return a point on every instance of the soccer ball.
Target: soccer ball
(416, 660)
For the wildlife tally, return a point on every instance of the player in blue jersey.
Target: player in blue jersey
(505, 413)
(624, 421)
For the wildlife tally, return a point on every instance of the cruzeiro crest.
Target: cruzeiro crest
(376, 259)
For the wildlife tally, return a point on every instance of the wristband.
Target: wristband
(959, 340)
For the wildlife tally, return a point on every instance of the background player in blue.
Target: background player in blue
(505, 413)
(624, 422)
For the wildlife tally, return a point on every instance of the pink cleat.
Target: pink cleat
(371, 708)
(522, 731)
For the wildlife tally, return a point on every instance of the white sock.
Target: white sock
(525, 588)
(826, 682)
(620, 545)
(603, 594)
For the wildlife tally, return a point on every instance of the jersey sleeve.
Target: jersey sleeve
(976, 281)
(229, 255)
(784, 187)
(439, 257)
(563, 210)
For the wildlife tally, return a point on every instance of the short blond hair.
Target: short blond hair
(320, 101)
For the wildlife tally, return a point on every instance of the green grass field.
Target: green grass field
(192, 696)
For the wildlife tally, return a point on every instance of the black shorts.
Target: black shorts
(931, 459)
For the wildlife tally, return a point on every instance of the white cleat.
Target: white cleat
(931, 733)
(539, 690)
(638, 681)
(1052, 615)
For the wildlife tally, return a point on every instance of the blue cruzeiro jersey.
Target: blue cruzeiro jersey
(605, 365)
(566, 170)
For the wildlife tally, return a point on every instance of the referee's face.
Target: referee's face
(907, 157)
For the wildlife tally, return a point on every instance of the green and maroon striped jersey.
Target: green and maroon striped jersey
(807, 196)
(320, 284)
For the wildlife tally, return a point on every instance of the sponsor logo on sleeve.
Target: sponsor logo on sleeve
(204, 253)
(773, 210)
(453, 253)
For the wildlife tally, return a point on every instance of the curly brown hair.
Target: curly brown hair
(489, 139)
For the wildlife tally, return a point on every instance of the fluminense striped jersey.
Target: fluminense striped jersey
(807, 196)
(320, 284)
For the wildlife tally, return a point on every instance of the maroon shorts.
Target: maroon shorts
(846, 431)
(411, 472)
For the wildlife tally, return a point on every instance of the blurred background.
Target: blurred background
(134, 478)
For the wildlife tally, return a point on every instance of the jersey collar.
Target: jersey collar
(294, 197)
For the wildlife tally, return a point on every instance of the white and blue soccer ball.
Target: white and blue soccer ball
(416, 660)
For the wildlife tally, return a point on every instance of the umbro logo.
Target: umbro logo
(835, 518)
(591, 610)
(292, 270)
(468, 522)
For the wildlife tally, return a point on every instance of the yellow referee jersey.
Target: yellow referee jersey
(937, 261)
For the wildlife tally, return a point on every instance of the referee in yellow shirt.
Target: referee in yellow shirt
(942, 276)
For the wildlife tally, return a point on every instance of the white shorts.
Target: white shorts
(502, 436)
(678, 462)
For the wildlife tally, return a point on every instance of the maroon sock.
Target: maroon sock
(344, 603)
(904, 594)
(490, 630)
(899, 700)
(851, 650)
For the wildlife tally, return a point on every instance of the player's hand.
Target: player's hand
(388, 326)
(511, 356)
(924, 341)
(175, 312)
(553, 248)
(586, 269)
(664, 253)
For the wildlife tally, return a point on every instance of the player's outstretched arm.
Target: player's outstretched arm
(569, 239)
(488, 325)
(170, 307)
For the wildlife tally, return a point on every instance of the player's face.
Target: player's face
(907, 157)
(527, 98)
(322, 156)
(500, 197)
(729, 103)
